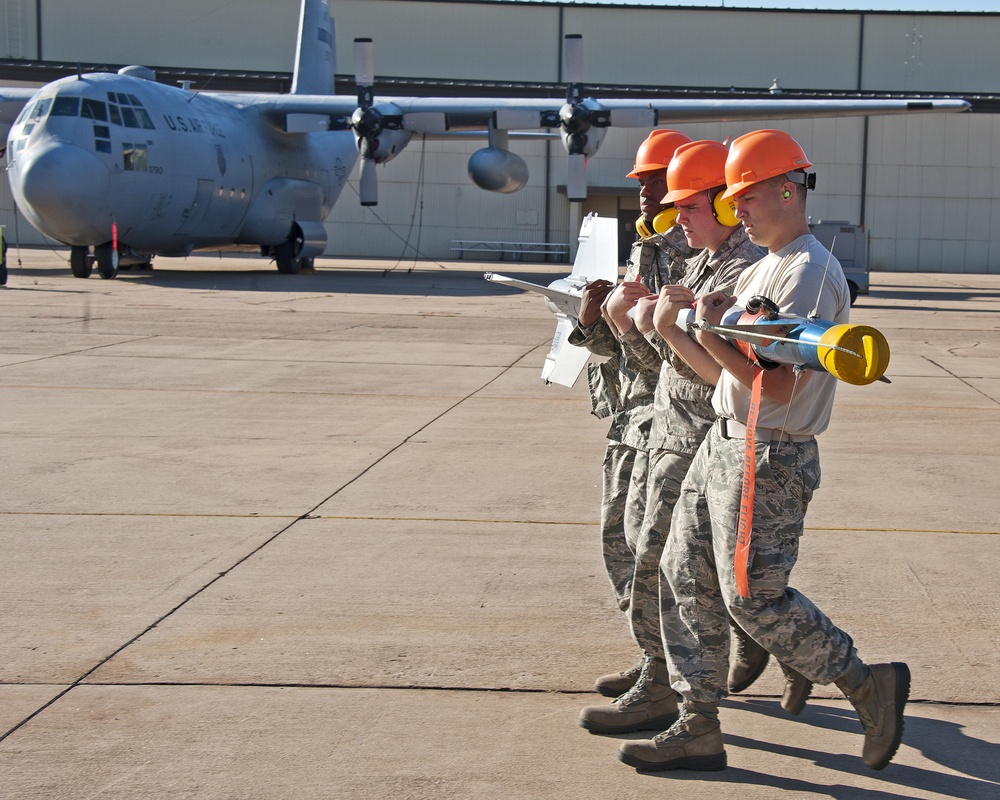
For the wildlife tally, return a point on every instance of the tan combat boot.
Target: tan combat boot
(617, 683)
(879, 702)
(649, 705)
(747, 660)
(693, 742)
(797, 689)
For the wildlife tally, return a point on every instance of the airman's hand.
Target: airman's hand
(713, 306)
(594, 295)
(621, 301)
(671, 300)
(644, 310)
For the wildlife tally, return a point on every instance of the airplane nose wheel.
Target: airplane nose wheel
(107, 260)
(81, 262)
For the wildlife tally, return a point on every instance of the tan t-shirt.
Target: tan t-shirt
(801, 282)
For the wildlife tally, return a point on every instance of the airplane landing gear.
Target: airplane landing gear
(81, 262)
(285, 256)
(106, 256)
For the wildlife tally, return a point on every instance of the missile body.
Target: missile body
(856, 354)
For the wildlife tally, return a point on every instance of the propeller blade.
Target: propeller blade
(576, 178)
(364, 62)
(573, 58)
(369, 183)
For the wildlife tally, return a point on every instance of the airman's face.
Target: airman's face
(652, 187)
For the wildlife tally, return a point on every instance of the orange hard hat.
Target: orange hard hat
(759, 155)
(695, 167)
(655, 153)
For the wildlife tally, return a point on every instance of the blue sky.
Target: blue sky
(824, 5)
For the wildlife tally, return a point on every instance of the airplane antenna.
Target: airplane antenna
(826, 269)
(196, 92)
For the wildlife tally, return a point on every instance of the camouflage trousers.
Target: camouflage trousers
(666, 473)
(622, 508)
(698, 566)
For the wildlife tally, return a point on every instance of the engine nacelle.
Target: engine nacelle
(387, 146)
(497, 170)
(379, 132)
(591, 141)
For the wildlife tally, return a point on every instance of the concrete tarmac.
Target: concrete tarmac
(329, 536)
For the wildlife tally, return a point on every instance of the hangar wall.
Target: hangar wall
(926, 196)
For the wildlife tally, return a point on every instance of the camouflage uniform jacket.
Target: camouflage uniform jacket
(682, 406)
(620, 387)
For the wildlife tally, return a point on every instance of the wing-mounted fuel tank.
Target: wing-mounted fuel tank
(495, 168)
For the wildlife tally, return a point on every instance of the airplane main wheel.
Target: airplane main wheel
(284, 257)
(81, 262)
(107, 260)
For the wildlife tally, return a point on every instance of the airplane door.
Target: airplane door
(195, 214)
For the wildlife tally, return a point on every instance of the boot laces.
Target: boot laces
(646, 670)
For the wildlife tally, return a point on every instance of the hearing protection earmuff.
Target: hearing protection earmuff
(662, 223)
(724, 209)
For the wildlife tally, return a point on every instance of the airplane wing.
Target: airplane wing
(12, 100)
(445, 114)
(385, 127)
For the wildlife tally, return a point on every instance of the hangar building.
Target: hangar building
(922, 188)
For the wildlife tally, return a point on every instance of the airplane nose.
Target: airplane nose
(64, 189)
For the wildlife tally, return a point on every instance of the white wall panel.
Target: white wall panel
(692, 47)
(475, 41)
(925, 53)
(245, 34)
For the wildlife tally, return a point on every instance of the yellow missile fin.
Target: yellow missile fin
(862, 339)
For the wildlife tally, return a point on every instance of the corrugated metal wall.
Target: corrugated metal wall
(929, 201)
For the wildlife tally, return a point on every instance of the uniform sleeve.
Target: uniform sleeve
(598, 338)
(640, 352)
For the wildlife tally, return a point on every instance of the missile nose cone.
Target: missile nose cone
(65, 188)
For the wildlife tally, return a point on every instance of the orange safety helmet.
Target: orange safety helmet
(655, 153)
(696, 167)
(759, 155)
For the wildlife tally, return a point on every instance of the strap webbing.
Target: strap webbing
(744, 528)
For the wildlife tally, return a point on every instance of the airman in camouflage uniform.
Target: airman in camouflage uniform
(621, 388)
(682, 415)
(765, 174)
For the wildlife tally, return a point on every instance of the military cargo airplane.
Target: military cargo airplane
(122, 168)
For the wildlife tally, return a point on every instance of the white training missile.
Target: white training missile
(856, 354)
(596, 259)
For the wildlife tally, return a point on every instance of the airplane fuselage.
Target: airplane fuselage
(173, 170)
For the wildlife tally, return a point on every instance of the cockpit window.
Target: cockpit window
(94, 109)
(144, 119)
(39, 109)
(126, 109)
(66, 107)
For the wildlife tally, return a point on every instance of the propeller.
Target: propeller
(365, 120)
(582, 120)
(370, 122)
